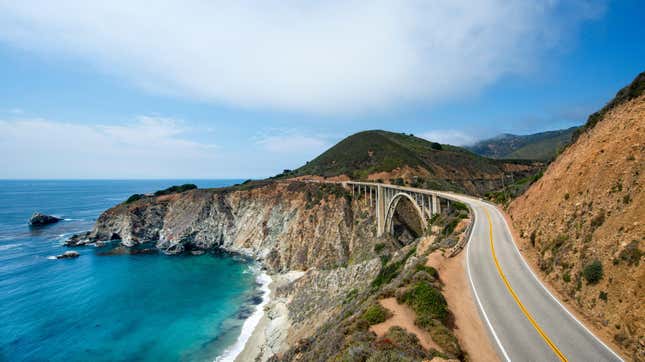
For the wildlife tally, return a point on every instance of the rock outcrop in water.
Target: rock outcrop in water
(71, 254)
(38, 219)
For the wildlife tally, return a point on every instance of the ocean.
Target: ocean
(111, 307)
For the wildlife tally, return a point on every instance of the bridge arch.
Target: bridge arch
(391, 209)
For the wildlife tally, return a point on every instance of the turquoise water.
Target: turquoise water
(125, 307)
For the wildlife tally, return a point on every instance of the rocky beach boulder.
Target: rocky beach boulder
(38, 219)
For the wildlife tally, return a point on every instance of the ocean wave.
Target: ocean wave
(250, 323)
(9, 246)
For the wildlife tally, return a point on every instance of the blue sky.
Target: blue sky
(197, 89)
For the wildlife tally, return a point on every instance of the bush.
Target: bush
(566, 277)
(176, 189)
(379, 247)
(603, 296)
(387, 273)
(428, 269)
(593, 272)
(134, 198)
(426, 301)
(376, 314)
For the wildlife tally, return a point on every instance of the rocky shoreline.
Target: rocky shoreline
(316, 242)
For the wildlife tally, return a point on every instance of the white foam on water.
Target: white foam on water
(9, 246)
(250, 323)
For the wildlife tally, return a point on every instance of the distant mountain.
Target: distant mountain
(539, 146)
(406, 159)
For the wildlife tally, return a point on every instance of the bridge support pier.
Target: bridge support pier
(436, 205)
(380, 211)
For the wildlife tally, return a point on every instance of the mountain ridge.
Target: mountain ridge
(401, 158)
(542, 146)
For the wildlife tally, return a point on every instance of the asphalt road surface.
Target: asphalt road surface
(526, 322)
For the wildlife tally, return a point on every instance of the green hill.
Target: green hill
(542, 146)
(411, 160)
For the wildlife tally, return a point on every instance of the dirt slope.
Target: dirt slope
(588, 207)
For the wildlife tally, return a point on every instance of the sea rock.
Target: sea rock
(68, 255)
(79, 239)
(38, 219)
(197, 252)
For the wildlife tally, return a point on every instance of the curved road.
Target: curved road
(526, 322)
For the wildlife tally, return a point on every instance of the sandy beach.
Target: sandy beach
(270, 333)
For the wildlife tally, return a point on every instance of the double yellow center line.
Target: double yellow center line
(517, 299)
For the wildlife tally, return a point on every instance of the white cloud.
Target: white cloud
(450, 136)
(324, 57)
(292, 142)
(147, 148)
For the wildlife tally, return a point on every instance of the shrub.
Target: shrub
(176, 189)
(627, 199)
(566, 196)
(405, 342)
(459, 206)
(593, 272)
(436, 146)
(376, 314)
(398, 181)
(379, 247)
(566, 277)
(134, 198)
(387, 273)
(428, 269)
(532, 237)
(603, 296)
(426, 301)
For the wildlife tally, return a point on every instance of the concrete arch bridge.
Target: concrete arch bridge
(385, 199)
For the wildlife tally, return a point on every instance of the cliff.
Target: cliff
(319, 244)
(287, 226)
(582, 223)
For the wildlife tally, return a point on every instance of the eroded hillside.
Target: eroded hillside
(582, 223)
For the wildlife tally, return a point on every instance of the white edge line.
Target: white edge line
(472, 286)
(517, 250)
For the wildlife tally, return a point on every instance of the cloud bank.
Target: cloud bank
(147, 148)
(450, 136)
(304, 56)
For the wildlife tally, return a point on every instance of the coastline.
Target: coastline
(231, 353)
(270, 331)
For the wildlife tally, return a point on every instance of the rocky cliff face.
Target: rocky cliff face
(583, 225)
(288, 226)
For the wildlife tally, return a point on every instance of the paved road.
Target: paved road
(527, 323)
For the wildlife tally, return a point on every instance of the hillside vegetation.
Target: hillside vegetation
(582, 223)
(409, 160)
(542, 146)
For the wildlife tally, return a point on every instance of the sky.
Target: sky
(245, 89)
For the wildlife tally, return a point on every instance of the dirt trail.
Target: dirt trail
(403, 316)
